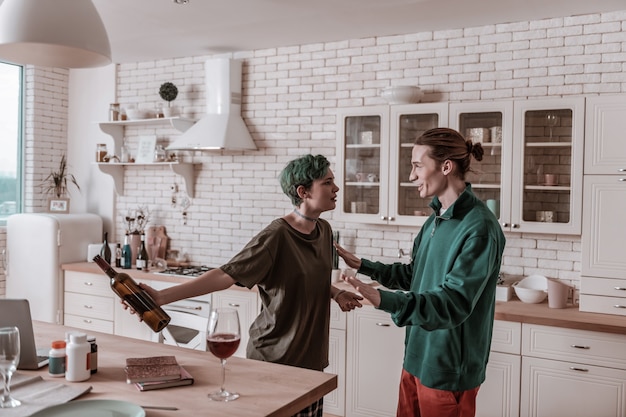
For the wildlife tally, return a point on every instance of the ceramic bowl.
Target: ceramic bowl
(402, 94)
(532, 289)
(137, 114)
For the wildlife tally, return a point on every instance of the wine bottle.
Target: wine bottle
(127, 254)
(142, 255)
(105, 251)
(134, 296)
(118, 255)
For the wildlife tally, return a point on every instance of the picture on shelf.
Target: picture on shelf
(145, 150)
(59, 205)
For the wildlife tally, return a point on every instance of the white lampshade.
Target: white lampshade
(53, 33)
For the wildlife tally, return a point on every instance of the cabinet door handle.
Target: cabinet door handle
(620, 288)
(619, 306)
(621, 170)
(88, 307)
(197, 308)
(233, 305)
(622, 179)
(581, 347)
(391, 219)
(87, 321)
(382, 324)
(87, 283)
(515, 226)
(383, 217)
(505, 225)
(575, 368)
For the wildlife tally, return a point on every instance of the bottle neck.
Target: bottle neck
(105, 266)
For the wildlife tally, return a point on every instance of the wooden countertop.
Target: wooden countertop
(513, 310)
(266, 389)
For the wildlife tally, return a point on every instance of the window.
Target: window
(11, 93)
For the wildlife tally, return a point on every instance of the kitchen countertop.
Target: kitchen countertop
(513, 310)
(267, 389)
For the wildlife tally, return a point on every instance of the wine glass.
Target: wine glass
(552, 120)
(9, 358)
(223, 337)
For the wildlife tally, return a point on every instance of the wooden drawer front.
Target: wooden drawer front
(582, 346)
(89, 306)
(337, 317)
(507, 337)
(610, 287)
(601, 304)
(87, 323)
(88, 284)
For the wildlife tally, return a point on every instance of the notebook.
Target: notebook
(16, 312)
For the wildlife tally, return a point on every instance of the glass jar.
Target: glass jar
(101, 152)
(159, 154)
(114, 112)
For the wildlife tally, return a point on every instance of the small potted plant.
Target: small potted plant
(168, 92)
(56, 185)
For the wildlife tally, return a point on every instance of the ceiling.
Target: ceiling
(143, 30)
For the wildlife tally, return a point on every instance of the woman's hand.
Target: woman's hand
(154, 294)
(351, 260)
(348, 300)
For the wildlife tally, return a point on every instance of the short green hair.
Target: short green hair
(302, 171)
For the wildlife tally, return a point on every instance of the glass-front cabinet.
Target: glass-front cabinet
(531, 171)
(374, 162)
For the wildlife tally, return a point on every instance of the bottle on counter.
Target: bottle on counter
(56, 359)
(134, 296)
(127, 253)
(142, 255)
(118, 255)
(105, 251)
(78, 351)
(93, 356)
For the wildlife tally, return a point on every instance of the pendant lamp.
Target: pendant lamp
(53, 33)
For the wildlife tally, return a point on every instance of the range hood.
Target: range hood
(222, 128)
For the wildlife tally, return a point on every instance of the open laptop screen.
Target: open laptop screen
(16, 312)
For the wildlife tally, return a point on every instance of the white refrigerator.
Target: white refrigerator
(37, 245)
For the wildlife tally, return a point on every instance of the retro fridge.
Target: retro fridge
(37, 245)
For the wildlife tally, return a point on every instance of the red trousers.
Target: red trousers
(416, 400)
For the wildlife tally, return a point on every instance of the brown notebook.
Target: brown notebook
(150, 369)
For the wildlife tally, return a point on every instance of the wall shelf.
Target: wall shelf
(116, 170)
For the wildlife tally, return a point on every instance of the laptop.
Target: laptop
(16, 312)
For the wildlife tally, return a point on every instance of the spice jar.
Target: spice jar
(101, 152)
(159, 154)
(114, 112)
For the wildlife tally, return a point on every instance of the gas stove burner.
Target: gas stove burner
(185, 271)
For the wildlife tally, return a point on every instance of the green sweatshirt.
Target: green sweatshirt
(447, 300)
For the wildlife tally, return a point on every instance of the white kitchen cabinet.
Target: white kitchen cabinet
(335, 401)
(374, 162)
(603, 268)
(539, 137)
(116, 169)
(569, 372)
(499, 394)
(248, 306)
(374, 364)
(89, 303)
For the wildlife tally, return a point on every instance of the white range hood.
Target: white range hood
(222, 128)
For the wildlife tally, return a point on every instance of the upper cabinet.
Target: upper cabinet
(116, 130)
(530, 174)
(374, 162)
(605, 138)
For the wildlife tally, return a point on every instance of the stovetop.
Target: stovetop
(185, 271)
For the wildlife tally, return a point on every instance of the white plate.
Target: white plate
(93, 408)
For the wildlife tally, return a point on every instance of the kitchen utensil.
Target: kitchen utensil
(402, 94)
(155, 235)
(532, 289)
(558, 293)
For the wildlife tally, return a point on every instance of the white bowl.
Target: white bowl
(532, 289)
(137, 114)
(402, 94)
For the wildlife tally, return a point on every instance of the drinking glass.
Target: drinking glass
(552, 120)
(9, 358)
(223, 337)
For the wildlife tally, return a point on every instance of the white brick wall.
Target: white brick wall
(290, 99)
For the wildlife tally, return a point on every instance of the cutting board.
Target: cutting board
(156, 237)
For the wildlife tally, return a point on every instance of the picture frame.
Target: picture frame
(59, 205)
(145, 150)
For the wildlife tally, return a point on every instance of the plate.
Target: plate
(93, 408)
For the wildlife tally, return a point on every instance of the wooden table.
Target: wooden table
(266, 389)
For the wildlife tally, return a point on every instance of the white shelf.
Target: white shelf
(116, 170)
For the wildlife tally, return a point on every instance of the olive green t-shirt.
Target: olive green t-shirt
(292, 273)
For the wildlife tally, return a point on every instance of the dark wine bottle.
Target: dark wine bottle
(118, 255)
(142, 255)
(127, 254)
(134, 296)
(105, 251)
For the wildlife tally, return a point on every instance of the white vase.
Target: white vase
(169, 111)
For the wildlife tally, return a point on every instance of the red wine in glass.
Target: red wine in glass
(223, 337)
